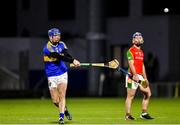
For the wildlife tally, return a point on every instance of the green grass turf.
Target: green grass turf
(87, 111)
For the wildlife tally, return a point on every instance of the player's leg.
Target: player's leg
(67, 113)
(145, 103)
(131, 90)
(62, 94)
(54, 96)
(55, 99)
(53, 90)
(62, 87)
(128, 103)
(64, 79)
(146, 99)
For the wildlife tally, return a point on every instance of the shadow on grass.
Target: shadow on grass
(56, 122)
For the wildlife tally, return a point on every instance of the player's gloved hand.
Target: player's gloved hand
(145, 83)
(76, 63)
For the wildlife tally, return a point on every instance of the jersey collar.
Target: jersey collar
(49, 42)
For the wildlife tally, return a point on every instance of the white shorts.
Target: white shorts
(132, 84)
(53, 81)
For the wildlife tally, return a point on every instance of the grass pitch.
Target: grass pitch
(87, 111)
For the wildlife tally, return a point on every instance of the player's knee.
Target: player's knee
(147, 95)
(131, 96)
(62, 95)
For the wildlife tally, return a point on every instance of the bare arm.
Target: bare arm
(131, 65)
(144, 72)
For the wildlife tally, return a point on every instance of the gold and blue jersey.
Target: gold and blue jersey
(54, 66)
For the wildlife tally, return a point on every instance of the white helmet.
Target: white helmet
(137, 39)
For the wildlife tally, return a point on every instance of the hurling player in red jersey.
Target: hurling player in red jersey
(135, 58)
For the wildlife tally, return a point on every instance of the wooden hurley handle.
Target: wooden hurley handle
(81, 64)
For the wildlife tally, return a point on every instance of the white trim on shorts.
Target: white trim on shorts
(53, 81)
(133, 85)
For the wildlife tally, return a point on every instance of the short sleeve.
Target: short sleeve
(46, 51)
(129, 55)
(63, 45)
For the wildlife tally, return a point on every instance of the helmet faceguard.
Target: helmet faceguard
(137, 39)
(53, 32)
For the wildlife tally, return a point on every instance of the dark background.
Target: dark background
(23, 33)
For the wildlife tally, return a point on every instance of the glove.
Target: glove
(144, 83)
